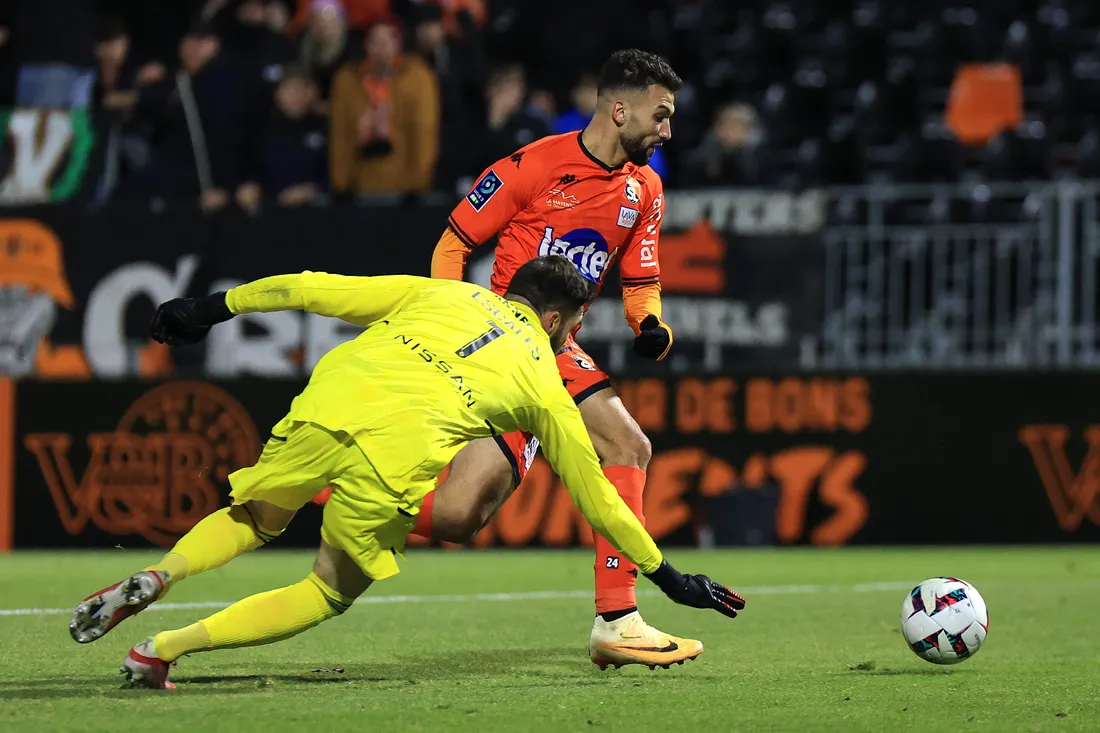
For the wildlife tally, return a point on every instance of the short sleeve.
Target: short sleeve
(502, 191)
(640, 264)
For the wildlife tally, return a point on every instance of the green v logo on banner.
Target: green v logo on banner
(49, 152)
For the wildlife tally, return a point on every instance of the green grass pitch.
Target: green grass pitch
(817, 649)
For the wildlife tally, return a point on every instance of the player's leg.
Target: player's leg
(619, 635)
(624, 452)
(264, 618)
(284, 475)
(364, 528)
(479, 480)
(222, 536)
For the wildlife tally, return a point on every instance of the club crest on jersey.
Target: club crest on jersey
(484, 190)
(585, 248)
(583, 363)
(633, 190)
(558, 199)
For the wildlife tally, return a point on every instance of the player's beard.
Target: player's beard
(637, 151)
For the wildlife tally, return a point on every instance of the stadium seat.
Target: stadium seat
(811, 96)
(842, 159)
(1088, 154)
(777, 118)
(1085, 83)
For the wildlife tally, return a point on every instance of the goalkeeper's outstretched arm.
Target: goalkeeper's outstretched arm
(561, 431)
(360, 301)
(357, 300)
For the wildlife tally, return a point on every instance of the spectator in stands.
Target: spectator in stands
(287, 156)
(385, 119)
(324, 47)
(121, 78)
(542, 103)
(198, 124)
(7, 61)
(731, 153)
(455, 14)
(360, 14)
(254, 36)
(583, 96)
(459, 63)
(120, 73)
(511, 122)
(54, 45)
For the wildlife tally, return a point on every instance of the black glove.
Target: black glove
(183, 321)
(697, 591)
(655, 339)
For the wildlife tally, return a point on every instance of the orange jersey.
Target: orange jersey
(554, 197)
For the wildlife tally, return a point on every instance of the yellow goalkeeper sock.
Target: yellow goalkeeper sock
(260, 619)
(213, 542)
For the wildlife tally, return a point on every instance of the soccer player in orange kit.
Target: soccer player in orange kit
(591, 197)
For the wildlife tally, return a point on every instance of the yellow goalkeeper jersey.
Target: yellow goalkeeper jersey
(441, 363)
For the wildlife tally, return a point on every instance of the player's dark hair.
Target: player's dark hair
(551, 283)
(636, 71)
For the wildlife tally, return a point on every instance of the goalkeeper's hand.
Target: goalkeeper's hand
(697, 591)
(182, 321)
(654, 339)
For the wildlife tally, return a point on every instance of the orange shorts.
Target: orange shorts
(582, 378)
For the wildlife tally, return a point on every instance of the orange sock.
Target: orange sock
(615, 575)
(423, 526)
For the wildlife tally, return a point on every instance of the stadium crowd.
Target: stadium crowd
(300, 101)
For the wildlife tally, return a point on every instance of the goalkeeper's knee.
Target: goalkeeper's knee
(336, 601)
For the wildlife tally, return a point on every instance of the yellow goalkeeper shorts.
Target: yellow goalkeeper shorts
(362, 516)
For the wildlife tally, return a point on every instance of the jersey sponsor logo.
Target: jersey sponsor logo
(628, 217)
(484, 190)
(633, 190)
(585, 248)
(558, 199)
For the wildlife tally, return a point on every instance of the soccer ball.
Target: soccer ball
(944, 620)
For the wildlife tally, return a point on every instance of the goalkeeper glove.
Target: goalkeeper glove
(655, 339)
(182, 321)
(696, 591)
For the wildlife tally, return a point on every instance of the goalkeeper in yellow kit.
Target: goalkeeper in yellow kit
(440, 363)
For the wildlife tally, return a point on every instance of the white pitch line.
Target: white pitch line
(549, 595)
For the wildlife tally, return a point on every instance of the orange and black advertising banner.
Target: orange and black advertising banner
(77, 289)
(745, 460)
(740, 277)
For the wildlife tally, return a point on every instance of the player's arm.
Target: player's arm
(357, 300)
(641, 271)
(503, 190)
(561, 431)
(566, 444)
(449, 257)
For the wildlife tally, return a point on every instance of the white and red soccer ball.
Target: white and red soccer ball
(944, 620)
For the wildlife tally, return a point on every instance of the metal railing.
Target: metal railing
(960, 277)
